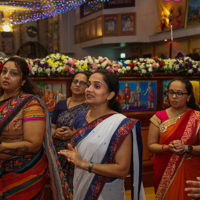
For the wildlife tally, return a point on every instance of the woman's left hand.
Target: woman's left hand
(72, 156)
(64, 134)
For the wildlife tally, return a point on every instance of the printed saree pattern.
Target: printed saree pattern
(23, 177)
(30, 171)
(65, 119)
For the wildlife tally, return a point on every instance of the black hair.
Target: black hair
(29, 86)
(194, 56)
(72, 78)
(112, 82)
(192, 103)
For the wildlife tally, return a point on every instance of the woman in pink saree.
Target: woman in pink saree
(174, 137)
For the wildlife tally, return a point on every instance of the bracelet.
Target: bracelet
(162, 149)
(90, 167)
(183, 150)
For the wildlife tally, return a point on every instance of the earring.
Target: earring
(108, 99)
(188, 100)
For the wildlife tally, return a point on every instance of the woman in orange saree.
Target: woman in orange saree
(174, 137)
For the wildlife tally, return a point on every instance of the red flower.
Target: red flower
(155, 59)
(131, 65)
(162, 63)
(97, 187)
(1, 66)
(122, 128)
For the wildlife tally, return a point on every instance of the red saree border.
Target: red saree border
(176, 160)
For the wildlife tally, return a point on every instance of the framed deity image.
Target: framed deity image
(82, 33)
(128, 24)
(137, 95)
(76, 34)
(52, 92)
(192, 13)
(92, 28)
(87, 30)
(99, 26)
(110, 25)
(119, 3)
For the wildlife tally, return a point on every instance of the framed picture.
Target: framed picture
(192, 13)
(52, 92)
(110, 25)
(77, 34)
(92, 28)
(128, 24)
(87, 30)
(99, 25)
(31, 32)
(137, 95)
(118, 3)
(82, 33)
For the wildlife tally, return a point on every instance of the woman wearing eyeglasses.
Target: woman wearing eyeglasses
(64, 112)
(174, 135)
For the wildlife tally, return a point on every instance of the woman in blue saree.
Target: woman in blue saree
(64, 112)
(105, 144)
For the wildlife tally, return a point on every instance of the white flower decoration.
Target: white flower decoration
(127, 62)
(144, 71)
(39, 69)
(190, 71)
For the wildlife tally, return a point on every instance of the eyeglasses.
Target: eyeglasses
(178, 94)
(79, 82)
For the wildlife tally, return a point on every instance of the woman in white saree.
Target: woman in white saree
(105, 144)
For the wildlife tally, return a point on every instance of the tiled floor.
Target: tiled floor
(149, 193)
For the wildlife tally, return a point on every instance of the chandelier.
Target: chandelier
(18, 12)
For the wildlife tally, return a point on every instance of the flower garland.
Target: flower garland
(59, 64)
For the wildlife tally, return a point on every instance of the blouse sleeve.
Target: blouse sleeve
(155, 120)
(33, 111)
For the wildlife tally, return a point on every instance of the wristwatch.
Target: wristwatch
(190, 148)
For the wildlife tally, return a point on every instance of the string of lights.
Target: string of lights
(18, 12)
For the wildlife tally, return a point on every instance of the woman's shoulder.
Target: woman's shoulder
(161, 113)
(62, 102)
(81, 113)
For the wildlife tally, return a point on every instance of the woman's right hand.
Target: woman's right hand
(173, 148)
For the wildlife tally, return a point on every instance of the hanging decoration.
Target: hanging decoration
(17, 12)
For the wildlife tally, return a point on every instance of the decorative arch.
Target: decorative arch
(32, 50)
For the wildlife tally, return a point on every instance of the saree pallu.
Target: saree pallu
(99, 142)
(58, 183)
(65, 119)
(170, 170)
(23, 177)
